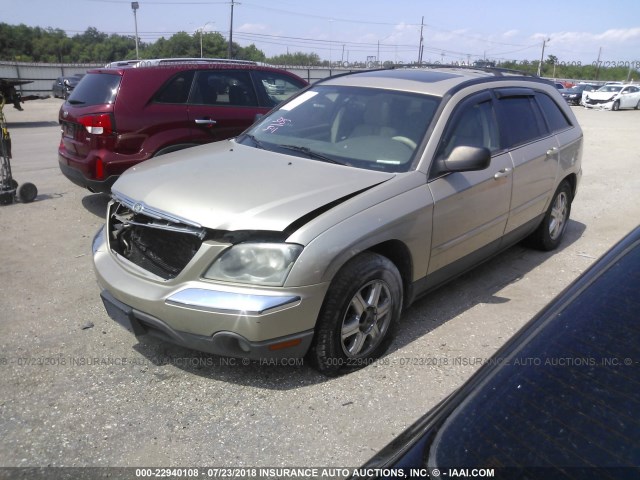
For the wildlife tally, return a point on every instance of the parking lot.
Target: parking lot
(76, 389)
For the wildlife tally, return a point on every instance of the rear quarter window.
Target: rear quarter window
(96, 89)
(554, 116)
(176, 90)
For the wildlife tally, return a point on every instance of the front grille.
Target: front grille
(155, 242)
(591, 101)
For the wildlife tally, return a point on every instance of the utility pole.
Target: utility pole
(231, 30)
(421, 47)
(544, 43)
(598, 63)
(134, 7)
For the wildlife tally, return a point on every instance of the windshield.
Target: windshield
(360, 127)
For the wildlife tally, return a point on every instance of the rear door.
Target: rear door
(629, 97)
(534, 150)
(222, 104)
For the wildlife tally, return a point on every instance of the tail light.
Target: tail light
(99, 124)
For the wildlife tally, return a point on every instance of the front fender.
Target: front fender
(405, 217)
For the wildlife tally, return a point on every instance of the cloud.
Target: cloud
(620, 35)
(252, 28)
(618, 44)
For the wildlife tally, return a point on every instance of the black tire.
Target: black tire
(616, 106)
(351, 332)
(637, 105)
(549, 233)
(27, 192)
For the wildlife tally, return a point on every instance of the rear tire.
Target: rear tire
(549, 233)
(359, 316)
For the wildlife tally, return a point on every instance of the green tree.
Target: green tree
(252, 53)
(297, 58)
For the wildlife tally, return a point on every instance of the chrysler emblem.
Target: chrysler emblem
(138, 207)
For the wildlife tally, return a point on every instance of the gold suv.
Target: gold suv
(309, 233)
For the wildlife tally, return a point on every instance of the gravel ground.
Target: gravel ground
(76, 389)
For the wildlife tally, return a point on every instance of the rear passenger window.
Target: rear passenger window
(555, 118)
(223, 88)
(521, 118)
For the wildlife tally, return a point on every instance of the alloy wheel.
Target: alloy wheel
(367, 319)
(558, 216)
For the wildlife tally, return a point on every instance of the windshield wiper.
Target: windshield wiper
(76, 102)
(256, 142)
(311, 153)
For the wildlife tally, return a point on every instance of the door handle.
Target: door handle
(505, 172)
(552, 151)
(205, 121)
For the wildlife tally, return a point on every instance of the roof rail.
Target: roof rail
(152, 62)
(121, 63)
(497, 71)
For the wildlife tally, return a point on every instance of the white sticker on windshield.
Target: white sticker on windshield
(297, 101)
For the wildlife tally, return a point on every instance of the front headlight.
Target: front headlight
(255, 263)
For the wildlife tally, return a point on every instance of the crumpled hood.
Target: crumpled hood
(228, 186)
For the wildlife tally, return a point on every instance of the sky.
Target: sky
(359, 30)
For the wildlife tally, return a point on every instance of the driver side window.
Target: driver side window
(474, 126)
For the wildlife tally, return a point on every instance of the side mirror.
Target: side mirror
(467, 159)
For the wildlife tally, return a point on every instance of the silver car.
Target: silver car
(310, 233)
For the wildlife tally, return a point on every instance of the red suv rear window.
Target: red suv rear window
(96, 89)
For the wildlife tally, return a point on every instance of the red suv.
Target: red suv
(128, 112)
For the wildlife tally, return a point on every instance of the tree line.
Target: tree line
(22, 43)
(553, 68)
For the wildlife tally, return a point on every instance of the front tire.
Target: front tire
(359, 316)
(616, 106)
(549, 233)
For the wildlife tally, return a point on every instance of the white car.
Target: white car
(613, 97)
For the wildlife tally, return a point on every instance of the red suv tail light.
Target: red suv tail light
(99, 124)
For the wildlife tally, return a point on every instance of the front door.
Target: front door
(470, 208)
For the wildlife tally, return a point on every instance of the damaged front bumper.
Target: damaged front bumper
(237, 321)
(599, 104)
